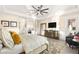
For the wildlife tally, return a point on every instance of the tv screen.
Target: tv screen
(52, 25)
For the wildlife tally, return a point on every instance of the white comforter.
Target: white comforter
(31, 42)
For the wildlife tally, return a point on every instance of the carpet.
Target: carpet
(55, 46)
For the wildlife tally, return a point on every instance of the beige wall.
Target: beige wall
(29, 23)
(63, 22)
(42, 21)
(47, 20)
(20, 21)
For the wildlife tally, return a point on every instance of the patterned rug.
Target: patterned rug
(55, 46)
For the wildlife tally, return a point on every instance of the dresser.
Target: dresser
(52, 34)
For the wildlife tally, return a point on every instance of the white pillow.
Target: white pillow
(1, 46)
(6, 38)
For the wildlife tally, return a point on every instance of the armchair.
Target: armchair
(72, 44)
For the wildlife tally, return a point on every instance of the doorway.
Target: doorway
(42, 28)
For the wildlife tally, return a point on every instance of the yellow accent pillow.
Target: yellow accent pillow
(16, 37)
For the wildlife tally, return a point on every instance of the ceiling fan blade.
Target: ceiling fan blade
(34, 7)
(37, 13)
(41, 13)
(44, 9)
(45, 12)
(40, 6)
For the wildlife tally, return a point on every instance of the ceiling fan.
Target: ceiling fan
(40, 10)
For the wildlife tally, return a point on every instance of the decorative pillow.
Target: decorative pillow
(76, 37)
(6, 38)
(16, 37)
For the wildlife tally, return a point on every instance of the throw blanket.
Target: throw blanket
(31, 42)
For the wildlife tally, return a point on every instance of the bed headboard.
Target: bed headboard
(14, 29)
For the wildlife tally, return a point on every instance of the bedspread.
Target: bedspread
(32, 42)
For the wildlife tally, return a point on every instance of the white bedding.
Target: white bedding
(15, 50)
(31, 42)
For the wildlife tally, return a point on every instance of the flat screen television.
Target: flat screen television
(52, 25)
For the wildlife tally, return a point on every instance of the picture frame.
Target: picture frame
(71, 22)
(5, 23)
(12, 24)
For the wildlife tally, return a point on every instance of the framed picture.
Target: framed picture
(12, 23)
(71, 22)
(5, 23)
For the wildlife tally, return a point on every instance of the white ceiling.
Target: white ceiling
(25, 10)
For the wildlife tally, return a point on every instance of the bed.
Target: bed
(34, 44)
(30, 44)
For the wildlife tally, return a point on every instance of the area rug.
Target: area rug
(55, 46)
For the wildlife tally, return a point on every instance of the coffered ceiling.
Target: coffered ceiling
(27, 10)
